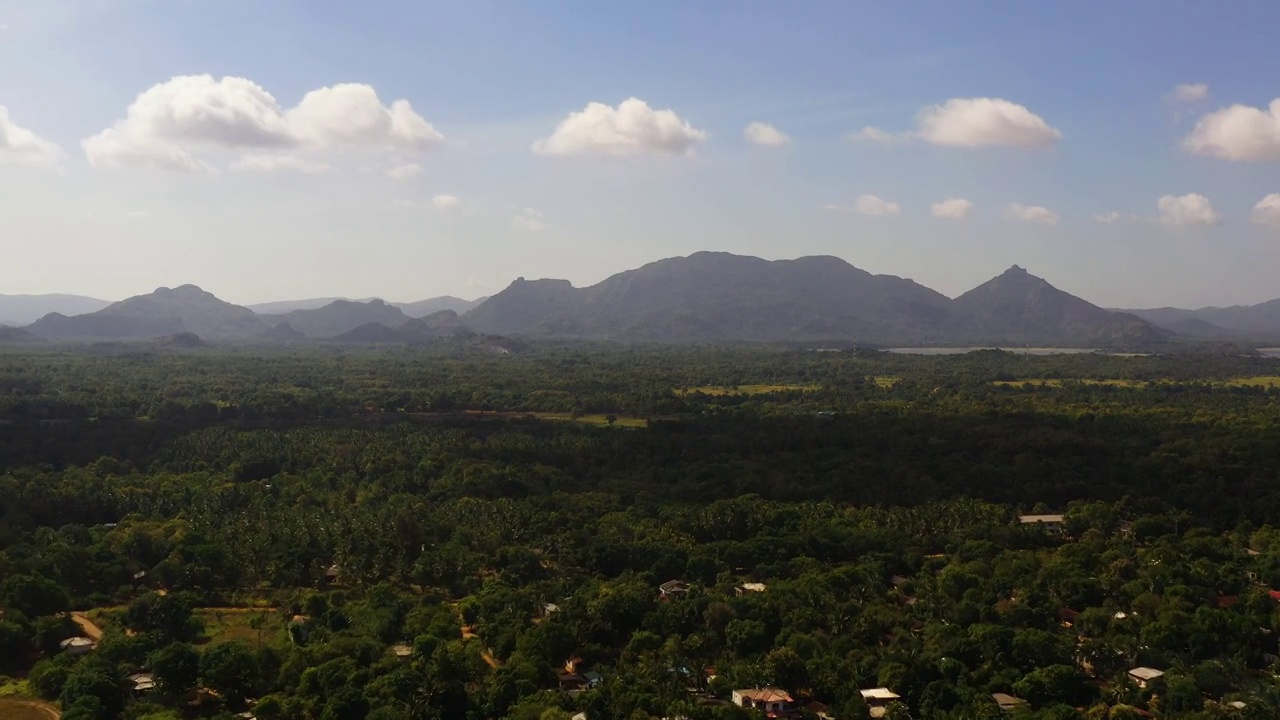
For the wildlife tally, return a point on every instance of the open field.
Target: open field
(222, 625)
(718, 390)
(884, 382)
(12, 708)
(1059, 382)
(1267, 381)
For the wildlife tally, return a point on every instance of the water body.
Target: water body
(1018, 350)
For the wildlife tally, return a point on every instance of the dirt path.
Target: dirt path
(90, 630)
(22, 709)
(468, 633)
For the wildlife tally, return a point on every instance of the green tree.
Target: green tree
(176, 668)
(231, 670)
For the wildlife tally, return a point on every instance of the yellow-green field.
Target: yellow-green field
(13, 708)
(884, 381)
(717, 390)
(1267, 381)
(222, 625)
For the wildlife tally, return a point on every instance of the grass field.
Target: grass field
(1267, 381)
(13, 708)
(884, 381)
(222, 625)
(718, 390)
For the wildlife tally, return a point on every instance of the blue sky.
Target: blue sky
(460, 202)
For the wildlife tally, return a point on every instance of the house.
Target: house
(1008, 703)
(1143, 676)
(770, 700)
(77, 645)
(1067, 617)
(332, 572)
(402, 651)
(748, 588)
(572, 682)
(579, 716)
(593, 678)
(673, 589)
(878, 700)
(819, 710)
(1052, 523)
(549, 609)
(1237, 705)
(142, 682)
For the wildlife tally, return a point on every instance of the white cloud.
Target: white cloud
(20, 146)
(138, 214)
(975, 122)
(528, 220)
(406, 171)
(171, 124)
(1109, 218)
(952, 208)
(759, 133)
(868, 205)
(632, 128)
(1190, 93)
(278, 163)
(876, 135)
(1239, 132)
(1267, 211)
(445, 202)
(1189, 209)
(1031, 213)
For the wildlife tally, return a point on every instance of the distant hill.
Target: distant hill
(1018, 308)
(423, 308)
(416, 309)
(338, 317)
(16, 336)
(1258, 321)
(712, 297)
(20, 310)
(284, 332)
(419, 330)
(724, 297)
(184, 309)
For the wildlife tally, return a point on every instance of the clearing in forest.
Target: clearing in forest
(12, 708)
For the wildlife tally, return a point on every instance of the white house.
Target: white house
(1143, 676)
(878, 699)
(77, 645)
(770, 700)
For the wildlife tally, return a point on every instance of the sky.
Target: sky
(1128, 152)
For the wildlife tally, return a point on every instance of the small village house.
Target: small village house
(77, 645)
(769, 700)
(878, 700)
(1051, 523)
(673, 589)
(748, 588)
(1008, 703)
(1144, 676)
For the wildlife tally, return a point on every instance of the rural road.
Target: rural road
(91, 631)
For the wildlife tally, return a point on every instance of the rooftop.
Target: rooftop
(1032, 519)
(766, 695)
(1146, 673)
(879, 694)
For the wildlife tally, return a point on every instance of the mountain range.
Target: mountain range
(705, 297)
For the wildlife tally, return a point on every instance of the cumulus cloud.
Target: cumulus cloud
(952, 209)
(20, 146)
(528, 220)
(280, 163)
(876, 135)
(632, 128)
(975, 122)
(1267, 211)
(445, 202)
(758, 133)
(868, 205)
(1189, 209)
(1239, 132)
(406, 171)
(1190, 93)
(171, 124)
(1031, 213)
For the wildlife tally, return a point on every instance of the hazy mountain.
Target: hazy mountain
(1018, 308)
(185, 309)
(284, 332)
(423, 308)
(12, 335)
(416, 309)
(338, 317)
(26, 309)
(1262, 320)
(419, 330)
(718, 296)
